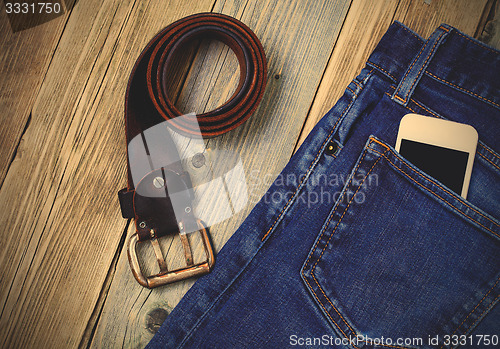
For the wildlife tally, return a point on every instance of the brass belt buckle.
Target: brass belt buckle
(165, 276)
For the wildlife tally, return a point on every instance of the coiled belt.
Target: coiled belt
(155, 172)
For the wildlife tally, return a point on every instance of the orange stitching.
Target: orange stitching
(444, 28)
(378, 67)
(322, 306)
(329, 301)
(491, 162)
(473, 310)
(379, 142)
(348, 88)
(487, 309)
(491, 151)
(463, 89)
(345, 210)
(333, 213)
(321, 236)
(451, 205)
(399, 98)
(327, 243)
(447, 191)
(412, 64)
(356, 83)
(334, 229)
(477, 43)
(314, 249)
(303, 178)
(412, 33)
(425, 62)
(438, 116)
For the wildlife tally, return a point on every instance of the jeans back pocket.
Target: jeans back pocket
(402, 262)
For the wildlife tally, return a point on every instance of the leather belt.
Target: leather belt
(155, 172)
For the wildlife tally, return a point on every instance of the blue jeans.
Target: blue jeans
(353, 246)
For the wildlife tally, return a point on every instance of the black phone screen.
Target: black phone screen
(446, 165)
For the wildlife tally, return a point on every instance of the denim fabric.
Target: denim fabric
(353, 246)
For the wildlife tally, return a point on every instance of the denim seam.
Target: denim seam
(357, 85)
(473, 310)
(491, 162)
(462, 89)
(382, 70)
(299, 186)
(491, 151)
(488, 308)
(429, 56)
(312, 253)
(412, 33)
(333, 233)
(314, 162)
(323, 232)
(216, 300)
(324, 249)
(431, 53)
(441, 117)
(435, 194)
(409, 69)
(480, 143)
(480, 44)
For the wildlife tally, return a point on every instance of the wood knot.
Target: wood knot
(155, 318)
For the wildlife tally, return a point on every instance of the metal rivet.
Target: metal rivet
(142, 224)
(158, 182)
(331, 148)
(198, 160)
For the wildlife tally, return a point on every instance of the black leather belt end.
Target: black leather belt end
(126, 198)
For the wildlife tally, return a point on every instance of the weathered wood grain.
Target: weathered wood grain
(64, 275)
(425, 16)
(24, 59)
(365, 23)
(62, 219)
(489, 28)
(297, 37)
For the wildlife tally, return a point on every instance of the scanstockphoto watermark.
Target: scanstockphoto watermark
(318, 189)
(355, 341)
(410, 342)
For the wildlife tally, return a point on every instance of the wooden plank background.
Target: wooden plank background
(64, 276)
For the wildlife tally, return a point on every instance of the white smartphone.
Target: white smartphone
(443, 149)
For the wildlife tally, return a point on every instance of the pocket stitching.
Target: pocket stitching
(485, 158)
(312, 163)
(480, 143)
(326, 245)
(323, 232)
(335, 228)
(345, 210)
(439, 186)
(473, 310)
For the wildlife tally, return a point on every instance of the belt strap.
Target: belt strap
(155, 172)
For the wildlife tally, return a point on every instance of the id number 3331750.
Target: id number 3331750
(33, 8)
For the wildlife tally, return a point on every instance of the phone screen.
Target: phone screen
(446, 165)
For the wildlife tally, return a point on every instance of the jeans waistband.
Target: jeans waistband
(449, 56)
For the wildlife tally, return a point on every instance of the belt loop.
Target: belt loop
(417, 67)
